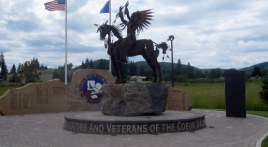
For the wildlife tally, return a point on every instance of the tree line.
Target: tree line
(27, 71)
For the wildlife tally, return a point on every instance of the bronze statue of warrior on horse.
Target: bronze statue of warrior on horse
(129, 46)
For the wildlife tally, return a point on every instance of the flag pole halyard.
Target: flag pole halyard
(66, 42)
(60, 5)
(107, 9)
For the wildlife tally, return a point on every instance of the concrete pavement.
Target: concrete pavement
(46, 130)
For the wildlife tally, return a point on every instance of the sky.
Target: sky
(208, 33)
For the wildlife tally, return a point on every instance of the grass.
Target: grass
(212, 95)
(265, 142)
(259, 113)
(4, 87)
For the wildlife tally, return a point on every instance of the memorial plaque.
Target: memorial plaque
(14, 101)
(42, 95)
(178, 99)
(58, 90)
(27, 101)
(235, 93)
(51, 96)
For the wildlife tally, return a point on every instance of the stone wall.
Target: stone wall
(83, 94)
(178, 99)
(42, 97)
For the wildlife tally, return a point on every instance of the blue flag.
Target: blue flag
(61, 2)
(106, 7)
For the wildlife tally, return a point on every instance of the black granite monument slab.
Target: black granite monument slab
(235, 91)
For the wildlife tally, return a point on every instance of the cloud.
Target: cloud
(208, 33)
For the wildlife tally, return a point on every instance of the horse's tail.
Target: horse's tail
(162, 46)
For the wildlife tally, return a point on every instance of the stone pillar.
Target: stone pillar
(84, 89)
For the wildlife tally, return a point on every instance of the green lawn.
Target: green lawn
(265, 142)
(211, 95)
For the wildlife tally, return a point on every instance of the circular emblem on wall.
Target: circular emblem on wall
(90, 88)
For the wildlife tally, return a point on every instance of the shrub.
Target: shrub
(181, 78)
(264, 92)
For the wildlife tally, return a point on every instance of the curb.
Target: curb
(258, 143)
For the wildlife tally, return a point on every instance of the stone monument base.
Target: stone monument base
(134, 99)
(168, 122)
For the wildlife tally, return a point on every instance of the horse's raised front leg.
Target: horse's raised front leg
(121, 79)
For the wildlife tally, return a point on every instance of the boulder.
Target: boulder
(134, 99)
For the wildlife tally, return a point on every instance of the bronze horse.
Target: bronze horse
(144, 47)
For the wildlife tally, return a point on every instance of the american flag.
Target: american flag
(54, 6)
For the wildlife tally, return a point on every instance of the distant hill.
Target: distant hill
(164, 65)
(167, 66)
(263, 66)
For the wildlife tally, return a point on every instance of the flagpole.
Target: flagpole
(66, 42)
(110, 61)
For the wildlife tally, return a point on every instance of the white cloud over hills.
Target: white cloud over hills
(208, 33)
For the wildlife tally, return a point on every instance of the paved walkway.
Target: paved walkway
(46, 130)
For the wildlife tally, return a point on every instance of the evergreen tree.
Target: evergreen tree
(142, 70)
(42, 67)
(163, 71)
(14, 74)
(87, 63)
(83, 66)
(125, 68)
(3, 73)
(132, 69)
(179, 70)
(256, 72)
(179, 64)
(190, 71)
(91, 64)
(36, 62)
(70, 66)
(20, 71)
(102, 64)
(199, 74)
(264, 92)
(215, 73)
(60, 73)
(13, 69)
(188, 67)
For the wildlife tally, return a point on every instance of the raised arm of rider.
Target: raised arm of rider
(121, 15)
(127, 13)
